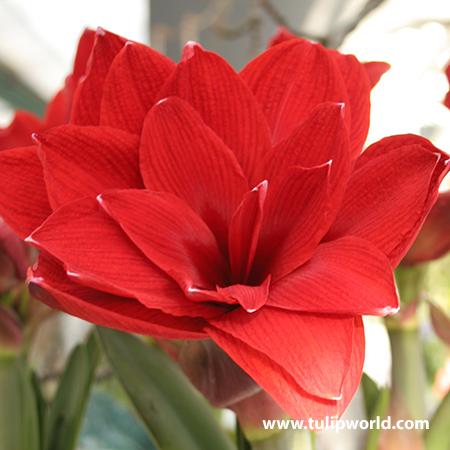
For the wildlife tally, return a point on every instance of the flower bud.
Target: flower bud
(11, 335)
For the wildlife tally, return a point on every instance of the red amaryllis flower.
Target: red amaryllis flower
(19, 132)
(191, 202)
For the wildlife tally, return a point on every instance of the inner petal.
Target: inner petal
(244, 231)
(251, 298)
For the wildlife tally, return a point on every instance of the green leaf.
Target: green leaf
(19, 426)
(69, 405)
(168, 404)
(370, 393)
(42, 409)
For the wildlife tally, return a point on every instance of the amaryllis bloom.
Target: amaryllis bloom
(19, 132)
(192, 202)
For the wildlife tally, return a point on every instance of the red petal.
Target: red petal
(354, 374)
(18, 133)
(447, 97)
(170, 234)
(88, 96)
(23, 197)
(291, 79)
(85, 161)
(358, 90)
(281, 35)
(135, 77)
(375, 70)
(181, 155)
(320, 138)
(433, 240)
(85, 46)
(399, 173)
(97, 253)
(278, 383)
(346, 276)
(298, 342)
(295, 220)
(48, 283)
(59, 109)
(244, 233)
(207, 82)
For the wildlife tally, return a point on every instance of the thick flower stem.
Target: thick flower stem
(280, 441)
(408, 376)
(438, 435)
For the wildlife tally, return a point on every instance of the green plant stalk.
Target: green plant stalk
(279, 441)
(408, 371)
(437, 437)
(241, 440)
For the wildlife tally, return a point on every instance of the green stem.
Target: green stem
(241, 440)
(285, 440)
(438, 435)
(279, 441)
(408, 373)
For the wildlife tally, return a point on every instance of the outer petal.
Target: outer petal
(400, 173)
(84, 50)
(291, 79)
(59, 109)
(97, 253)
(224, 102)
(48, 283)
(433, 240)
(22, 179)
(181, 155)
(170, 234)
(88, 96)
(282, 34)
(375, 70)
(278, 383)
(319, 364)
(85, 161)
(133, 81)
(346, 276)
(358, 89)
(18, 133)
(295, 220)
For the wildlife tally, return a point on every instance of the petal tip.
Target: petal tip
(30, 240)
(189, 50)
(389, 310)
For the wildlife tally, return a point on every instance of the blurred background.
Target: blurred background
(38, 41)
